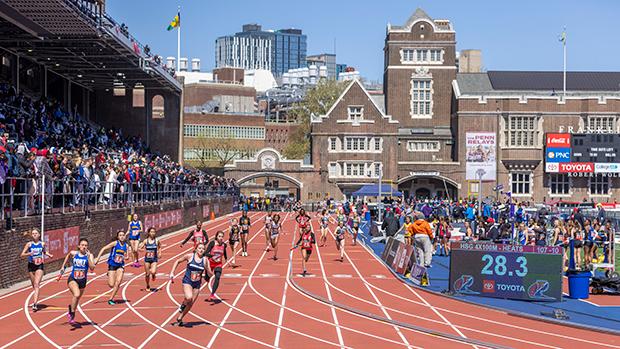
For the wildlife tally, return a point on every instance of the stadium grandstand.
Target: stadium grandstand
(89, 116)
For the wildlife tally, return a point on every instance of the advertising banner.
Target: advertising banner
(206, 210)
(481, 154)
(558, 155)
(162, 220)
(60, 241)
(576, 167)
(558, 140)
(402, 258)
(507, 271)
(607, 168)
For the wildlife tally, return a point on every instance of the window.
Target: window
(559, 184)
(332, 144)
(421, 100)
(377, 144)
(157, 107)
(408, 55)
(355, 143)
(423, 146)
(356, 113)
(603, 124)
(521, 183)
(599, 185)
(217, 131)
(377, 169)
(333, 170)
(421, 55)
(522, 131)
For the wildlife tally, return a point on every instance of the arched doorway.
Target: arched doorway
(270, 184)
(428, 186)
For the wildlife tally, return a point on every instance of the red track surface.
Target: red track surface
(265, 303)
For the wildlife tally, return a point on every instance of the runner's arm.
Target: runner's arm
(45, 251)
(91, 261)
(209, 248)
(158, 249)
(103, 249)
(25, 252)
(189, 236)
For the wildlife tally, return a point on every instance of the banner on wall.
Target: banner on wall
(164, 220)
(206, 210)
(60, 241)
(481, 155)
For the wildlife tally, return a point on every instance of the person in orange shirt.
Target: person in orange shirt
(422, 237)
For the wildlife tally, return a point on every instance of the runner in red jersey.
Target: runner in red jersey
(306, 240)
(198, 235)
(302, 219)
(216, 254)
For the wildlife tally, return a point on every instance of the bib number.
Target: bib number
(79, 274)
(245, 227)
(150, 254)
(37, 260)
(195, 275)
(198, 239)
(119, 258)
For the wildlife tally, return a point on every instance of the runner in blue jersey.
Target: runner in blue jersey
(153, 252)
(119, 251)
(192, 279)
(35, 251)
(82, 261)
(135, 229)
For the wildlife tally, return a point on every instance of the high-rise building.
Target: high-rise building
(324, 59)
(255, 48)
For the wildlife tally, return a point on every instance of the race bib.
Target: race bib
(79, 274)
(199, 239)
(37, 260)
(150, 254)
(245, 227)
(119, 258)
(195, 275)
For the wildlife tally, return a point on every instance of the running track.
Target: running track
(266, 304)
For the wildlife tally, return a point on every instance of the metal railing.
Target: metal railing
(21, 197)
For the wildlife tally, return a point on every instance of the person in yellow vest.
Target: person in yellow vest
(268, 204)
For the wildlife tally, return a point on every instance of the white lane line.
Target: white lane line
(276, 341)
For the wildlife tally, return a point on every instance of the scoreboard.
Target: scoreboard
(506, 271)
(585, 154)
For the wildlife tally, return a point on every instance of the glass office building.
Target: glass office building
(253, 48)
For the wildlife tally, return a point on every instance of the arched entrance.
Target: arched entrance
(270, 184)
(428, 185)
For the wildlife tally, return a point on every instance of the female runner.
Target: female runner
(306, 240)
(268, 220)
(82, 261)
(198, 235)
(245, 231)
(357, 220)
(274, 232)
(324, 227)
(116, 262)
(35, 251)
(135, 228)
(215, 251)
(192, 279)
(341, 229)
(233, 239)
(302, 219)
(153, 254)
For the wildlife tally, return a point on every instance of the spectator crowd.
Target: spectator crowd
(82, 163)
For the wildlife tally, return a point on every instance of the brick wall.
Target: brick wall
(99, 230)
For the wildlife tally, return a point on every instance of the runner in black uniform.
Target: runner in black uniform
(153, 253)
(196, 264)
(35, 251)
(274, 233)
(233, 239)
(245, 231)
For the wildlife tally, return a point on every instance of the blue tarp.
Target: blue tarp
(373, 190)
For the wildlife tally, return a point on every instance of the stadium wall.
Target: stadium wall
(64, 231)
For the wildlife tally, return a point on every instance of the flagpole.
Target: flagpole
(179, 41)
(564, 72)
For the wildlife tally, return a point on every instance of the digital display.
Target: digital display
(506, 271)
(601, 148)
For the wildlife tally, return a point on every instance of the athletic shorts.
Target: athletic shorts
(134, 237)
(115, 267)
(244, 232)
(588, 243)
(194, 284)
(80, 282)
(34, 267)
(578, 244)
(150, 260)
(308, 250)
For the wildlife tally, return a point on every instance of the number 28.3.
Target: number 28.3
(500, 266)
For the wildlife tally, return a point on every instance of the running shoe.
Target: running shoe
(111, 302)
(35, 307)
(72, 322)
(178, 323)
(212, 298)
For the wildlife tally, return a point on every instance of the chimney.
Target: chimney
(196, 64)
(183, 64)
(171, 63)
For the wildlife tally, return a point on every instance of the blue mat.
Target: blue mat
(581, 313)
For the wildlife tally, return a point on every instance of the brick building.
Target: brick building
(438, 132)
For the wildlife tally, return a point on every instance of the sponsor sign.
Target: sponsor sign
(506, 271)
(558, 140)
(606, 168)
(402, 258)
(206, 211)
(552, 167)
(481, 153)
(59, 242)
(598, 148)
(558, 154)
(576, 167)
(163, 220)
(418, 275)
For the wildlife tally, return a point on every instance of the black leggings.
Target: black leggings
(216, 283)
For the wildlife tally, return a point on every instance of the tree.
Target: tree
(218, 147)
(317, 101)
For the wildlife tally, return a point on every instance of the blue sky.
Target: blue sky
(513, 35)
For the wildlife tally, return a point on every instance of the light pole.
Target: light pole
(379, 196)
(480, 173)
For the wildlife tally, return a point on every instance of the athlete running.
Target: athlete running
(215, 251)
(306, 240)
(325, 218)
(36, 252)
(274, 232)
(116, 262)
(302, 219)
(357, 220)
(245, 232)
(198, 235)
(268, 220)
(196, 263)
(233, 239)
(153, 252)
(82, 261)
(135, 229)
(340, 231)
